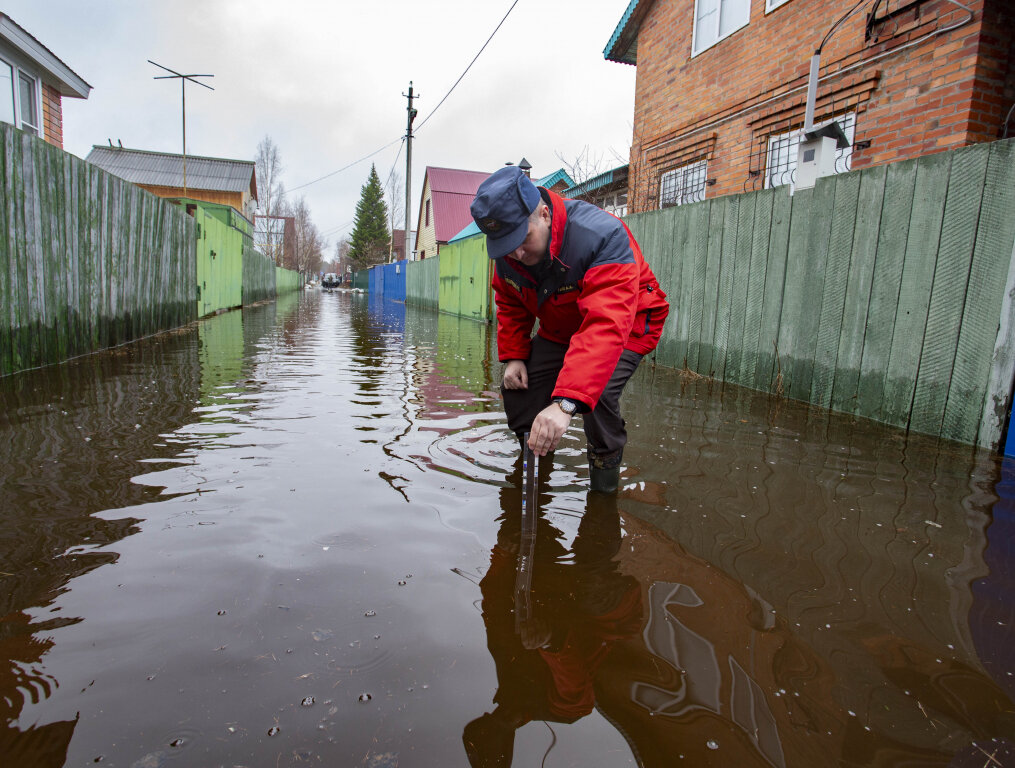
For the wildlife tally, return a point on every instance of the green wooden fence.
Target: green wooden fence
(258, 274)
(464, 288)
(421, 280)
(879, 292)
(87, 260)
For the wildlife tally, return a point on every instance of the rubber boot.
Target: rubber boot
(604, 471)
(603, 480)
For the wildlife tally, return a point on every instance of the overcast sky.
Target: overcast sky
(325, 80)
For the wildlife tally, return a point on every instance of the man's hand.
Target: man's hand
(516, 375)
(547, 429)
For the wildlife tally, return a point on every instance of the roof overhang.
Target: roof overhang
(54, 71)
(555, 177)
(623, 45)
(614, 175)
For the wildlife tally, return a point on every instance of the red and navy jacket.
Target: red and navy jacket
(598, 297)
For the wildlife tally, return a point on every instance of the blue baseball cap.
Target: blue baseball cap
(502, 207)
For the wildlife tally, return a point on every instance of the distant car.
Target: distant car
(330, 281)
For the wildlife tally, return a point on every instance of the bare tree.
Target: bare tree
(395, 192)
(306, 242)
(587, 164)
(341, 260)
(270, 233)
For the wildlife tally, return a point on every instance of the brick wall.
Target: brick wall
(916, 87)
(52, 115)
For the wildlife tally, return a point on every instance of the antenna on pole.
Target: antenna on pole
(408, 168)
(183, 90)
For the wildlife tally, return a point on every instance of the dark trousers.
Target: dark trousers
(604, 427)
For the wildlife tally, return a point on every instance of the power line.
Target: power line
(392, 171)
(470, 65)
(346, 167)
(340, 227)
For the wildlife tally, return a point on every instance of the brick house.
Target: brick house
(444, 207)
(33, 83)
(721, 86)
(397, 246)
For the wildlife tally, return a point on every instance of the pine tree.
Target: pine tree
(370, 236)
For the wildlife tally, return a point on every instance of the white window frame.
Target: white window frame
(771, 5)
(790, 140)
(36, 126)
(695, 50)
(687, 188)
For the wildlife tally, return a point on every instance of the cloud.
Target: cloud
(325, 81)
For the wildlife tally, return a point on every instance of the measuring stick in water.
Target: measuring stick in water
(527, 543)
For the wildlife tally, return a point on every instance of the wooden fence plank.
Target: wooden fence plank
(734, 370)
(667, 274)
(900, 188)
(6, 249)
(677, 288)
(833, 293)
(791, 324)
(700, 239)
(34, 254)
(914, 291)
(768, 373)
(761, 227)
(724, 292)
(819, 226)
(982, 379)
(951, 276)
(710, 292)
(858, 289)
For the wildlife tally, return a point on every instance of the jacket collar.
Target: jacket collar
(558, 222)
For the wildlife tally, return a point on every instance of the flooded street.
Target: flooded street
(288, 536)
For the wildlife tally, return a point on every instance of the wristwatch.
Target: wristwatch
(567, 406)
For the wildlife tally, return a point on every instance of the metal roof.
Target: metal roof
(451, 193)
(454, 180)
(596, 182)
(67, 81)
(623, 45)
(162, 169)
(553, 178)
(470, 231)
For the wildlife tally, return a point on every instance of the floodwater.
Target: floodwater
(289, 536)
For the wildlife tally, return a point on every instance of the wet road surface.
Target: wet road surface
(289, 536)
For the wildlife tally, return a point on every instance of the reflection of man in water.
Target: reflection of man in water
(546, 667)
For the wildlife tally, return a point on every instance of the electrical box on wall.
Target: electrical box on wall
(816, 153)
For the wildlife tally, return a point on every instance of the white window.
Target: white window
(19, 99)
(771, 5)
(613, 202)
(717, 19)
(685, 184)
(6, 92)
(780, 167)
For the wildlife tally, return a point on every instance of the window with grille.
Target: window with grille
(717, 19)
(685, 184)
(780, 166)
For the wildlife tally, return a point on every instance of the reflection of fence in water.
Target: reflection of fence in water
(859, 546)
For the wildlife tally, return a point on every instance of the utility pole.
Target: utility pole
(408, 170)
(183, 85)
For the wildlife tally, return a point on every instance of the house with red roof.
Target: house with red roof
(444, 207)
